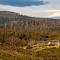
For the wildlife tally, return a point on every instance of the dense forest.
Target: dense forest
(16, 31)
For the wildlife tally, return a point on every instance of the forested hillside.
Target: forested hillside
(18, 31)
(30, 23)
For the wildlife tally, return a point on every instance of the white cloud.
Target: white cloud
(55, 14)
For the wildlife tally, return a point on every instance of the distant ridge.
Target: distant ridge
(9, 14)
(41, 24)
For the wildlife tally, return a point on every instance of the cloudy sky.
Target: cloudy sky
(34, 8)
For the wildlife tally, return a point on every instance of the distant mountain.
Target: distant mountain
(57, 17)
(29, 23)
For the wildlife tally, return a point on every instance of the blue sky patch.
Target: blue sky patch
(22, 3)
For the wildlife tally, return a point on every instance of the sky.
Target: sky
(33, 8)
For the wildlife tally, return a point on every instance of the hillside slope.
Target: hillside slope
(24, 38)
(41, 24)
